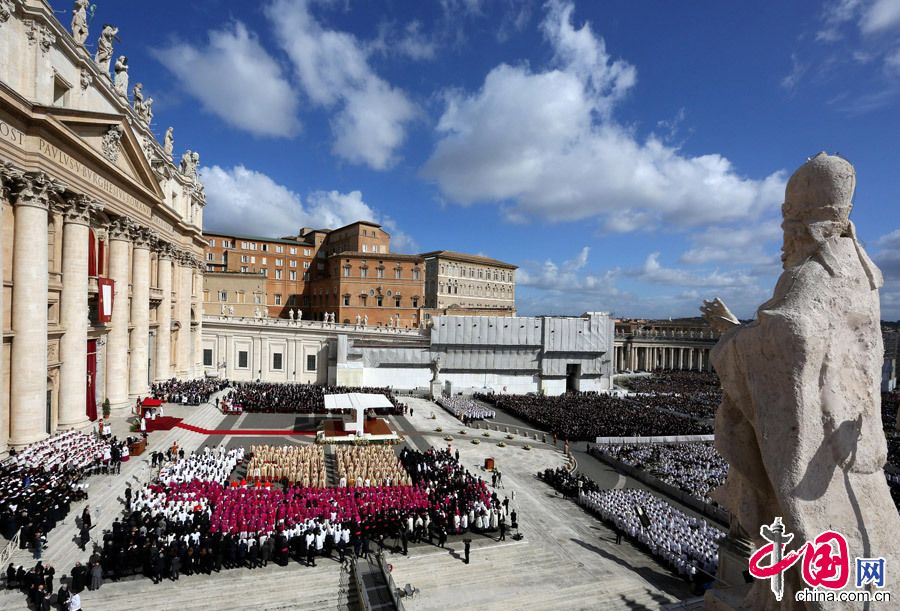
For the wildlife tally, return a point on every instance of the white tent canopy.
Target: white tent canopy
(359, 402)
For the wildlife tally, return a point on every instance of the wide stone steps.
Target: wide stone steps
(272, 587)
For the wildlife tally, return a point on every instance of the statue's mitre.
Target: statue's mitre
(820, 190)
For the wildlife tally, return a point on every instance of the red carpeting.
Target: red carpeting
(251, 432)
(162, 423)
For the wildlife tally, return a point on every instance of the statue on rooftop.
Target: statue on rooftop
(800, 421)
(104, 53)
(79, 21)
(121, 80)
(169, 142)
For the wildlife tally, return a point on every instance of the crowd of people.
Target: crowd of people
(266, 397)
(685, 543)
(302, 465)
(585, 416)
(692, 393)
(369, 466)
(187, 392)
(207, 465)
(568, 482)
(39, 484)
(465, 409)
(696, 468)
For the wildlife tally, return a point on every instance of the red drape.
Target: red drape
(92, 254)
(101, 255)
(91, 399)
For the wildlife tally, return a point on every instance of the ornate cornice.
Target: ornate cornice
(121, 228)
(165, 250)
(143, 237)
(34, 189)
(79, 209)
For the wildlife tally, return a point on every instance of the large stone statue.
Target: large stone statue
(121, 80)
(436, 368)
(104, 53)
(79, 21)
(169, 142)
(800, 421)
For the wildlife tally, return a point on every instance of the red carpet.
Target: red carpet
(251, 432)
(162, 423)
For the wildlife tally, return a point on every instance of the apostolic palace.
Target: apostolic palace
(101, 236)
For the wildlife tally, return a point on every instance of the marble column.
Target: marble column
(164, 315)
(6, 175)
(117, 339)
(74, 313)
(140, 314)
(28, 362)
(183, 312)
(198, 328)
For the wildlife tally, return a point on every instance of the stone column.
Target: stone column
(229, 355)
(28, 362)
(117, 339)
(140, 313)
(6, 176)
(164, 315)
(74, 313)
(184, 368)
(198, 328)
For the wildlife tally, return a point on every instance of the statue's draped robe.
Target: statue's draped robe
(809, 367)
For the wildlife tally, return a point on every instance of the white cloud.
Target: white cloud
(411, 42)
(653, 272)
(334, 71)
(541, 143)
(886, 254)
(743, 245)
(244, 201)
(235, 78)
(880, 16)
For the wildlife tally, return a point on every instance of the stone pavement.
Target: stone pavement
(566, 560)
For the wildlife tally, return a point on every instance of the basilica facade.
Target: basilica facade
(101, 240)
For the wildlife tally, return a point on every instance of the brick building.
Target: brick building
(469, 282)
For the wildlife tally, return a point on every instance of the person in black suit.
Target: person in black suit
(467, 543)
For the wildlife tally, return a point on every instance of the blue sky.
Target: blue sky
(628, 156)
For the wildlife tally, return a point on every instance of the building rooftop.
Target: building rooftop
(255, 238)
(461, 256)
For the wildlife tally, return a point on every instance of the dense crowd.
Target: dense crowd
(693, 393)
(187, 392)
(369, 466)
(38, 484)
(302, 465)
(696, 468)
(585, 416)
(465, 409)
(685, 543)
(296, 398)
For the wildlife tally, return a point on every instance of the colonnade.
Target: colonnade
(48, 389)
(629, 356)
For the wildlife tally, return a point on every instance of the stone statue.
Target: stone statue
(190, 161)
(291, 315)
(299, 315)
(800, 421)
(185, 162)
(223, 309)
(137, 95)
(169, 142)
(435, 368)
(231, 310)
(358, 320)
(79, 21)
(366, 320)
(104, 53)
(121, 80)
(146, 112)
(256, 312)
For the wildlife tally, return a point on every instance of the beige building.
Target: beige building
(234, 294)
(101, 239)
(458, 280)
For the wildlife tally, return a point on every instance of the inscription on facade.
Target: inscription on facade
(11, 134)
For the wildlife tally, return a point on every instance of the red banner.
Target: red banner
(106, 290)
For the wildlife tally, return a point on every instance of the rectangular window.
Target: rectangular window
(415, 274)
(379, 301)
(293, 275)
(306, 252)
(396, 302)
(277, 359)
(278, 274)
(279, 249)
(277, 298)
(363, 272)
(294, 263)
(245, 259)
(310, 362)
(244, 245)
(362, 300)
(415, 302)
(346, 300)
(213, 243)
(242, 359)
(397, 273)
(223, 295)
(365, 247)
(209, 256)
(292, 250)
(244, 269)
(207, 357)
(264, 261)
(346, 271)
(306, 276)
(279, 262)
(252, 259)
(264, 272)
(379, 272)
(252, 245)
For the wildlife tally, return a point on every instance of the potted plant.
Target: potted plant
(106, 408)
(502, 444)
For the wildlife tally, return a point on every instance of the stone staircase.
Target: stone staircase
(106, 500)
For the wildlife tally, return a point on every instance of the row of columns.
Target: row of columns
(647, 358)
(34, 195)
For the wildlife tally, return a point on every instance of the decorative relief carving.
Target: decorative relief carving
(40, 34)
(86, 78)
(121, 228)
(143, 237)
(34, 189)
(52, 352)
(7, 8)
(80, 208)
(110, 144)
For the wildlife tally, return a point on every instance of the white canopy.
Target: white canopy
(358, 402)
